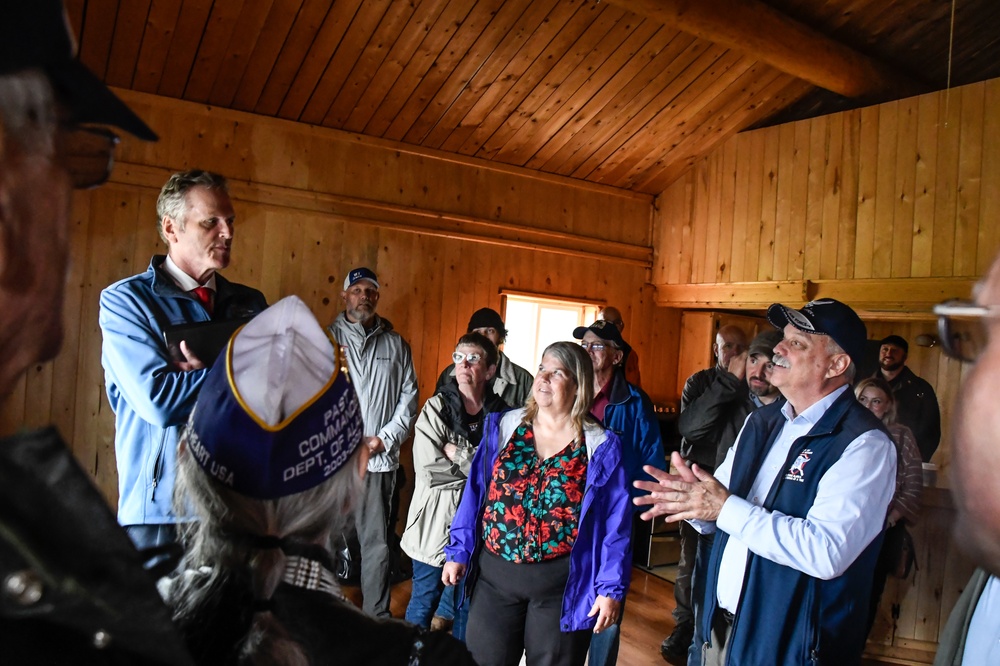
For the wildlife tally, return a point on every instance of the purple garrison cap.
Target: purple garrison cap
(280, 415)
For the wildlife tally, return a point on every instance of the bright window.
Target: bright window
(535, 323)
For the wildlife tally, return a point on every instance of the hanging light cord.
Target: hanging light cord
(951, 46)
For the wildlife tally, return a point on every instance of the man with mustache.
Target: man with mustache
(381, 367)
(151, 390)
(797, 507)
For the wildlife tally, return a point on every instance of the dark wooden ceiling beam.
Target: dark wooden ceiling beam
(759, 30)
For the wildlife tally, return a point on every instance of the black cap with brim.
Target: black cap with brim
(825, 316)
(36, 34)
(605, 330)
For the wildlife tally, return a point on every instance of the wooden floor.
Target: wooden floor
(647, 617)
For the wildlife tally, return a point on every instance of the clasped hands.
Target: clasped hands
(691, 494)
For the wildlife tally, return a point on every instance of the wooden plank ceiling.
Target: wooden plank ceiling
(579, 88)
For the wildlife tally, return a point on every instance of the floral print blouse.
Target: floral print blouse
(533, 504)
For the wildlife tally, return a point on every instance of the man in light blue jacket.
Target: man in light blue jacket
(150, 390)
(381, 367)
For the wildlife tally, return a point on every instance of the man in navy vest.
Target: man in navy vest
(797, 507)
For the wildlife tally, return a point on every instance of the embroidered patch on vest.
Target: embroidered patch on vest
(797, 472)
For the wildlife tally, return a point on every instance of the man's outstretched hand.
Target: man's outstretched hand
(691, 494)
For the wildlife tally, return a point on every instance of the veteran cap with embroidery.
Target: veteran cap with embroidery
(279, 416)
(825, 316)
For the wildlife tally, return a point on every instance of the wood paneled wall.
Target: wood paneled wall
(444, 235)
(891, 206)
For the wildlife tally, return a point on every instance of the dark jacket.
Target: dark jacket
(629, 415)
(57, 530)
(917, 407)
(327, 628)
(714, 405)
(786, 617)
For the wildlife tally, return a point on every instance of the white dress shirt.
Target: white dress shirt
(982, 642)
(849, 511)
(184, 281)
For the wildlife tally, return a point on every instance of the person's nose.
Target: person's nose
(226, 230)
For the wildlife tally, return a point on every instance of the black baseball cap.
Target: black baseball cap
(605, 330)
(825, 316)
(897, 341)
(36, 34)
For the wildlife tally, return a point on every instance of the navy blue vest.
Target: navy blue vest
(786, 617)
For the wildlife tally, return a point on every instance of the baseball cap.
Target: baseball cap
(605, 330)
(765, 342)
(280, 415)
(897, 341)
(361, 273)
(825, 316)
(36, 34)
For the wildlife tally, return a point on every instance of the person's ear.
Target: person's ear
(838, 365)
(170, 228)
(491, 372)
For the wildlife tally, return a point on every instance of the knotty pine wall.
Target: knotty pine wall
(445, 236)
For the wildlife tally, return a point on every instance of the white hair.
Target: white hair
(220, 546)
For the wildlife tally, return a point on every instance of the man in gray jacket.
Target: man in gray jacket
(381, 365)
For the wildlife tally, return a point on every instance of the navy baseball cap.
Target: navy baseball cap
(825, 316)
(280, 415)
(36, 34)
(361, 273)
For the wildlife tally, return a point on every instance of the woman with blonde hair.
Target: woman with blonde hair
(876, 394)
(542, 531)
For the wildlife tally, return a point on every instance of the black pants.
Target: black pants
(516, 608)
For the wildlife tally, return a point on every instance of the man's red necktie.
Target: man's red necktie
(204, 295)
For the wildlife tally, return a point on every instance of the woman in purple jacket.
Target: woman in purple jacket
(542, 530)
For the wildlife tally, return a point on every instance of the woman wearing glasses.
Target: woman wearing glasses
(543, 527)
(447, 434)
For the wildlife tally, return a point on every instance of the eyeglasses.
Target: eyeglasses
(87, 153)
(962, 328)
(594, 346)
(472, 358)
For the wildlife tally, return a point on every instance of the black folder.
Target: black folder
(206, 339)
